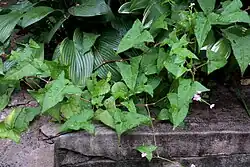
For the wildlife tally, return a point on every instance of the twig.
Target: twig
(36, 84)
(28, 84)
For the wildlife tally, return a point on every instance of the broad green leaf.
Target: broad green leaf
(80, 121)
(142, 86)
(130, 105)
(240, 47)
(125, 121)
(22, 6)
(174, 66)
(134, 37)
(130, 72)
(76, 54)
(34, 15)
(147, 150)
(202, 28)
(98, 88)
(138, 4)
(232, 7)
(162, 57)
(149, 62)
(178, 116)
(23, 69)
(119, 90)
(84, 41)
(55, 68)
(25, 117)
(5, 98)
(90, 8)
(164, 114)
(55, 28)
(105, 55)
(74, 106)
(158, 24)
(207, 6)
(105, 117)
(9, 133)
(125, 8)
(8, 23)
(215, 61)
(56, 90)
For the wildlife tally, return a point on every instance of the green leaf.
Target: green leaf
(1, 67)
(125, 121)
(98, 88)
(76, 54)
(215, 61)
(174, 66)
(80, 121)
(234, 6)
(149, 62)
(134, 37)
(148, 150)
(239, 42)
(90, 8)
(34, 15)
(74, 106)
(104, 51)
(119, 90)
(164, 114)
(23, 69)
(207, 6)
(130, 105)
(56, 90)
(202, 28)
(105, 117)
(5, 98)
(55, 68)
(8, 23)
(9, 133)
(55, 28)
(130, 72)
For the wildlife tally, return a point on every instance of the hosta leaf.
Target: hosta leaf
(130, 72)
(202, 28)
(134, 37)
(125, 8)
(1, 68)
(8, 23)
(56, 90)
(207, 6)
(21, 6)
(84, 41)
(34, 15)
(239, 43)
(76, 54)
(119, 90)
(90, 8)
(147, 150)
(80, 121)
(55, 28)
(138, 4)
(105, 58)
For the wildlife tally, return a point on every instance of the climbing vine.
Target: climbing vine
(112, 63)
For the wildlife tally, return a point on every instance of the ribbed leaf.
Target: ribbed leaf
(22, 6)
(55, 28)
(105, 56)
(8, 23)
(34, 15)
(78, 56)
(90, 8)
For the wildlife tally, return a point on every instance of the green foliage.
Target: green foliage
(113, 61)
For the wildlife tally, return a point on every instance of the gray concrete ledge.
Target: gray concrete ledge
(210, 138)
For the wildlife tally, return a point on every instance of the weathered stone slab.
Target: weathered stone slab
(210, 138)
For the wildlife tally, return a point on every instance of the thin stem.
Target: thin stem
(36, 84)
(200, 66)
(28, 84)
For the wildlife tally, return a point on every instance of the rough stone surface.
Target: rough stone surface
(210, 138)
(32, 151)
